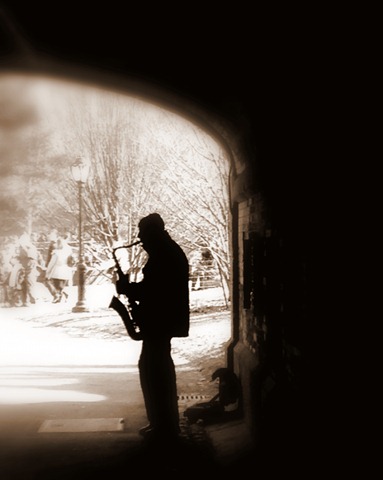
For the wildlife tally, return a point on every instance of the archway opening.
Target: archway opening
(143, 157)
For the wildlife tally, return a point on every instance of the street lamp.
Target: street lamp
(80, 172)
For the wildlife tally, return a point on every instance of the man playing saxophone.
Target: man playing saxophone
(162, 299)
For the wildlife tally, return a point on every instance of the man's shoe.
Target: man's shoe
(160, 435)
(144, 430)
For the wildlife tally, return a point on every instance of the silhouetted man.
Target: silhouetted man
(162, 313)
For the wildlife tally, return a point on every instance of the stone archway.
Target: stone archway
(261, 352)
(270, 207)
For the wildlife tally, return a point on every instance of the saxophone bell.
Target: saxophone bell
(132, 328)
(125, 311)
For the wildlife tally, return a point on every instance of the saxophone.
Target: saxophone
(125, 311)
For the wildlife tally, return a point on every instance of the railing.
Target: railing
(201, 278)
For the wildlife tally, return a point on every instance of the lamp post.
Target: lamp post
(80, 171)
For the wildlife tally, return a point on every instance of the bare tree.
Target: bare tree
(143, 159)
(197, 201)
(109, 132)
(147, 160)
(17, 149)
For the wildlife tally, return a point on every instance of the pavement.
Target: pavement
(88, 453)
(86, 425)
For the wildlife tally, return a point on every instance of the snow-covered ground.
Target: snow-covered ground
(99, 296)
(45, 332)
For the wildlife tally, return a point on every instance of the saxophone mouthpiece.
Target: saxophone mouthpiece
(127, 246)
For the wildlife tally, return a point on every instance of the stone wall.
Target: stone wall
(270, 314)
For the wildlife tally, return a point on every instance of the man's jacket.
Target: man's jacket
(163, 294)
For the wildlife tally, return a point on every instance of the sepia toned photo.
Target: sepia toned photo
(155, 260)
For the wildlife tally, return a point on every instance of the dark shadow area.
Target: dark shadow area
(103, 456)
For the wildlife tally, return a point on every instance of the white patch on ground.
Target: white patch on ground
(82, 425)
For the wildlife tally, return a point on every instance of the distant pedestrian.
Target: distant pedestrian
(31, 260)
(51, 246)
(59, 270)
(5, 270)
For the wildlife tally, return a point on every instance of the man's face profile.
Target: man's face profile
(146, 238)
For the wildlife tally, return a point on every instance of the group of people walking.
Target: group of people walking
(22, 266)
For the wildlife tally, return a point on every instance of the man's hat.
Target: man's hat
(151, 223)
